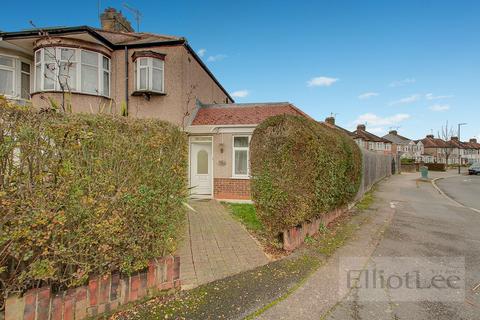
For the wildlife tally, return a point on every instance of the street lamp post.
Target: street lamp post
(459, 141)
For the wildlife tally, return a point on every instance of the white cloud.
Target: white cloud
(406, 100)
(439, 107)
(216, 57)
(240, 93)
(376, 121)
(201, 52)
(401, 83)
(321, 82)
(367, 95)
(430, 96)
(378, 130)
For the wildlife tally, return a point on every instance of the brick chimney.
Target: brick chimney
(430, 136)
(113, 20)
(454, 138)
(330, 120)
(473, 140)
(394, 132)
(361, 127)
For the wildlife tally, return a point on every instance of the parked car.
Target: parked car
(474, 169)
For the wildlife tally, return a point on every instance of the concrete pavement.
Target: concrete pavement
(424, 225)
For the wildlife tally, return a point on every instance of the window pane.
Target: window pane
(67, 55)
(106, 63)
(38, 56)
(157, 63)
(90, 58)
(6, 61)
(106, 84)
(143, 78)
(202, 162)
(157, 80)
(241, 162)
(143, 61)
(25, 86)
(68, 75)
(89, 79)
(49, 54)
(25, 67)
(38, 77)
(6, 82)
(49, 76)
(240, 142)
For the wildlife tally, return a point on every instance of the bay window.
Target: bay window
(71, 69)
(14, 77)
(149, 74)
(241, 156)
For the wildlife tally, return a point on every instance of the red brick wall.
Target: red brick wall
(227, 188)
(98, 296)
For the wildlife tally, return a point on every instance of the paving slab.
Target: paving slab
(215, 246)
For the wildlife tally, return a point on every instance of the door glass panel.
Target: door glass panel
(202, 162)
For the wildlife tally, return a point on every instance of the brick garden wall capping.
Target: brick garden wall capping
(375, 167)
(101, 294)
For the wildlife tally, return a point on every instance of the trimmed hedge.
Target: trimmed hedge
(86, 195)
(300, 170)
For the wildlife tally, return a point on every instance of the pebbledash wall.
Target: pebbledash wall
(375, 167)
(102, 294)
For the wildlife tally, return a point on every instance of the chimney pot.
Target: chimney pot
(330, 120)
(361, 127)
(455, 138)
(394, 132)
(113, 20)
(430, 136)
(473, 140)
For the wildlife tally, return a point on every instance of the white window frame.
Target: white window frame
(241, 176)
(78, 69)
(29, 78)
(13, 69)
(149, 70)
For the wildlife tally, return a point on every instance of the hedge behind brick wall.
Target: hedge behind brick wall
(86, 194)
(300, 170)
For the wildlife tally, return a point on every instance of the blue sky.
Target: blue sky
(406, 64)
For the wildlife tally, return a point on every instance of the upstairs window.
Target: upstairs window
(14, 77)
(149, 74)
(75, 70)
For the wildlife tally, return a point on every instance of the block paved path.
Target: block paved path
(216, 246)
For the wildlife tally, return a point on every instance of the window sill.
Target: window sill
(147, 93)
(72, 92)
(241, 177)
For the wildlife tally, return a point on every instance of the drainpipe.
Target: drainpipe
(126, 80)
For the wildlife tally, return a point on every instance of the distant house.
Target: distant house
(406, 147)
(473, 152)
(436, 148)
(370, 141)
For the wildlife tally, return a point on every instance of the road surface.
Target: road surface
(463, 189)
(426, 228)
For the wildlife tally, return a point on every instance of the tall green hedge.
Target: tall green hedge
(86, 194)
(300, 170)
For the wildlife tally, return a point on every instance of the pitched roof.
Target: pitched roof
(431, 142)
(396, 138)
(242, 113)
(367, 136)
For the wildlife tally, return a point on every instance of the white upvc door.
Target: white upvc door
(201, 168)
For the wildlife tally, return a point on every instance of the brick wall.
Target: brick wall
(227, 188)
(294, 237)
(100, 295)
